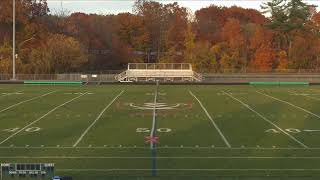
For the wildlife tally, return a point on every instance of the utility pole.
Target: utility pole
(14, 40)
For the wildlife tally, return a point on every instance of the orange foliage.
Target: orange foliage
(231, 32)
(283, 61)
(216, 39)
(264, 58)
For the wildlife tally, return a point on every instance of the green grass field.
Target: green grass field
(205, 132)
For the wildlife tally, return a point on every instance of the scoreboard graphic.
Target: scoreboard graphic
(27, 170)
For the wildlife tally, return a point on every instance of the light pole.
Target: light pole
(14, 40)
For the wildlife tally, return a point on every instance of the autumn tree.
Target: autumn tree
(209, 22)
(245, 16)
(204, 59)
(189, 44)
(177, 18)
(232, 34)
(304, 52)
(287, 17)
(165, 25)
(221, 56)
(59, 54)
(155, 23)
(5, 58)
(131, 30)
(29, 14)
(283, 61)
(263, 58)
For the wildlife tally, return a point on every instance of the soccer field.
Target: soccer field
(204, 131)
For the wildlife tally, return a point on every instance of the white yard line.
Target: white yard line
(21, 102)
(266, 119)
(108, 170)
(158, 157)
(95, 121)
(316, 90)
(154, 111)
(300, 108)
(11, 93)
(57, 107)
(314, 98)
(170, 147)
(212, 121)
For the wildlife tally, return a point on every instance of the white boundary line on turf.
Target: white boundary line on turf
(158, 157)
(108, 170)
(10, 93)
(98, 117)
(316, 115)
(266, 119)
(21, 102)
(212, 121)
(314, 98)
(52, 110)
(172, 147)
(153, 128)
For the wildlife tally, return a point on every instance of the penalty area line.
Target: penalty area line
(95, 121)
(212, 121)
(267, 120)
(37, 120)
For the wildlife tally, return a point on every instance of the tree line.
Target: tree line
(285, 35)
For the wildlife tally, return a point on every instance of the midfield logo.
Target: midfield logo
(160, 106)
(151, 139)
(157, 106)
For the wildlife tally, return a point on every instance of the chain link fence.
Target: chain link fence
(62, 77)
(258, 71)
(252, 77)
(311, 77)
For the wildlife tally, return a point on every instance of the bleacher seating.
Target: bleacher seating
(158, 71)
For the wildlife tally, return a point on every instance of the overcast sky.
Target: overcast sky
(118, 6)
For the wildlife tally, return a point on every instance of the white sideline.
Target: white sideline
(10, 94)
(94, 122)
(212, 121)
(267, 120)
(108, 170)
(160, 147)
(52, 110)
(21, 102)
(316, 115)
(158, 157)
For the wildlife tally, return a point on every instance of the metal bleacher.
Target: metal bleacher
(159, 71)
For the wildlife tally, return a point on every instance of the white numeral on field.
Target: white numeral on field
(142, 130)
(293, 130)
(11, 130)
(31, 129)
(147, 130)
(164, 130)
